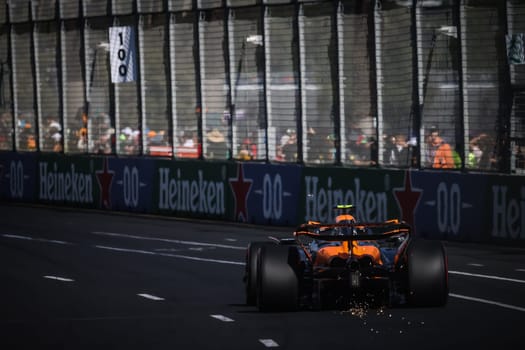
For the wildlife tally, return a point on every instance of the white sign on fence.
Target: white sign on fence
(122, 54)
(515, 48)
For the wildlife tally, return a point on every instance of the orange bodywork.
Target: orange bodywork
(326, 254)
(345, 249)
(344, 217)
(369, 250)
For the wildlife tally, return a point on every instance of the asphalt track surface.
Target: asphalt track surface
(91, 280)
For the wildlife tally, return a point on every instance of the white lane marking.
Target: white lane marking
(475, 265)
(27, 238)
(55, 241)
(126, 250)
(170, 255)
(486, 276)
(150, 297)
(168, 250)
(199, 249)
(490, 302)
(222, 318)
(176, 241)
(61, 279)
(520, 270)
(230, 240)
(18, 237)
(269, 343)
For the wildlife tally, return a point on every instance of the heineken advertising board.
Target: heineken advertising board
(438, 205)
(17, 176)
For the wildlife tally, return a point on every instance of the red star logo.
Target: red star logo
(105, 179)
(407, 199)
(240, 187)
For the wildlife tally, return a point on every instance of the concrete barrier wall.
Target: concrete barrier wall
(439, 205)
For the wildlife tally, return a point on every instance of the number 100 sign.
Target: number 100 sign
(122, 54)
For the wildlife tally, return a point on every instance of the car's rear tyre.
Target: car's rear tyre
(427, 273)
(250, 279)
(278, 278)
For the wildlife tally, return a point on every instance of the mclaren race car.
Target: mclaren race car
(334, 265)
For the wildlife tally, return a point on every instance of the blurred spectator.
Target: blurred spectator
(26, 133)
(244, 152)
(440, 151)
(189, 139)
(104, 141)
(286, 136)
(397, 151)
(188, 145)
(6, 130)
(103, 134)
(330, 146)
(216, 147)
(159, 143)
(248, 148)
(321, 147)
(82, 141)
(374, 150)
(363, 151)
(289, 149)
(279, 155)
(82, 133)
(457, 158)
(483, 146)
(474, 154)
(389, 149)
(400, 155)
(520, 158)
(27, 139)
(52, 135)
(159, 138)
(129, 140)
(252, 146)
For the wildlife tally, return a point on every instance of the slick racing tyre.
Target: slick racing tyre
(277, 278)
(250, 275)
(427, 273)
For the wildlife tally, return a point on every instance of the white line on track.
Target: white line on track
(475, 265)
(170, 255)
(27, 238)
(169, 250)
(490, 302)
(138, 251)
(61, 279)
(486, 276)
(176, 241)
(150, 297)
(520, 270)
(269, 343)
(18, 237)
(197, 249)
(222, 318)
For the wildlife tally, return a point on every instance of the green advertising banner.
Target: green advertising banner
(370, 191)
(506, 203)
(74, 181)
(437, 205)
(192, 189)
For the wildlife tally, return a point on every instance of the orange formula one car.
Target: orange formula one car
(333, 265)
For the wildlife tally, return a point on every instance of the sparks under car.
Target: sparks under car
(332, 265)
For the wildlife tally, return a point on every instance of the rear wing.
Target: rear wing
(383, 230)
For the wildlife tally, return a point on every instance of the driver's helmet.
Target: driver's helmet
(344, 219)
